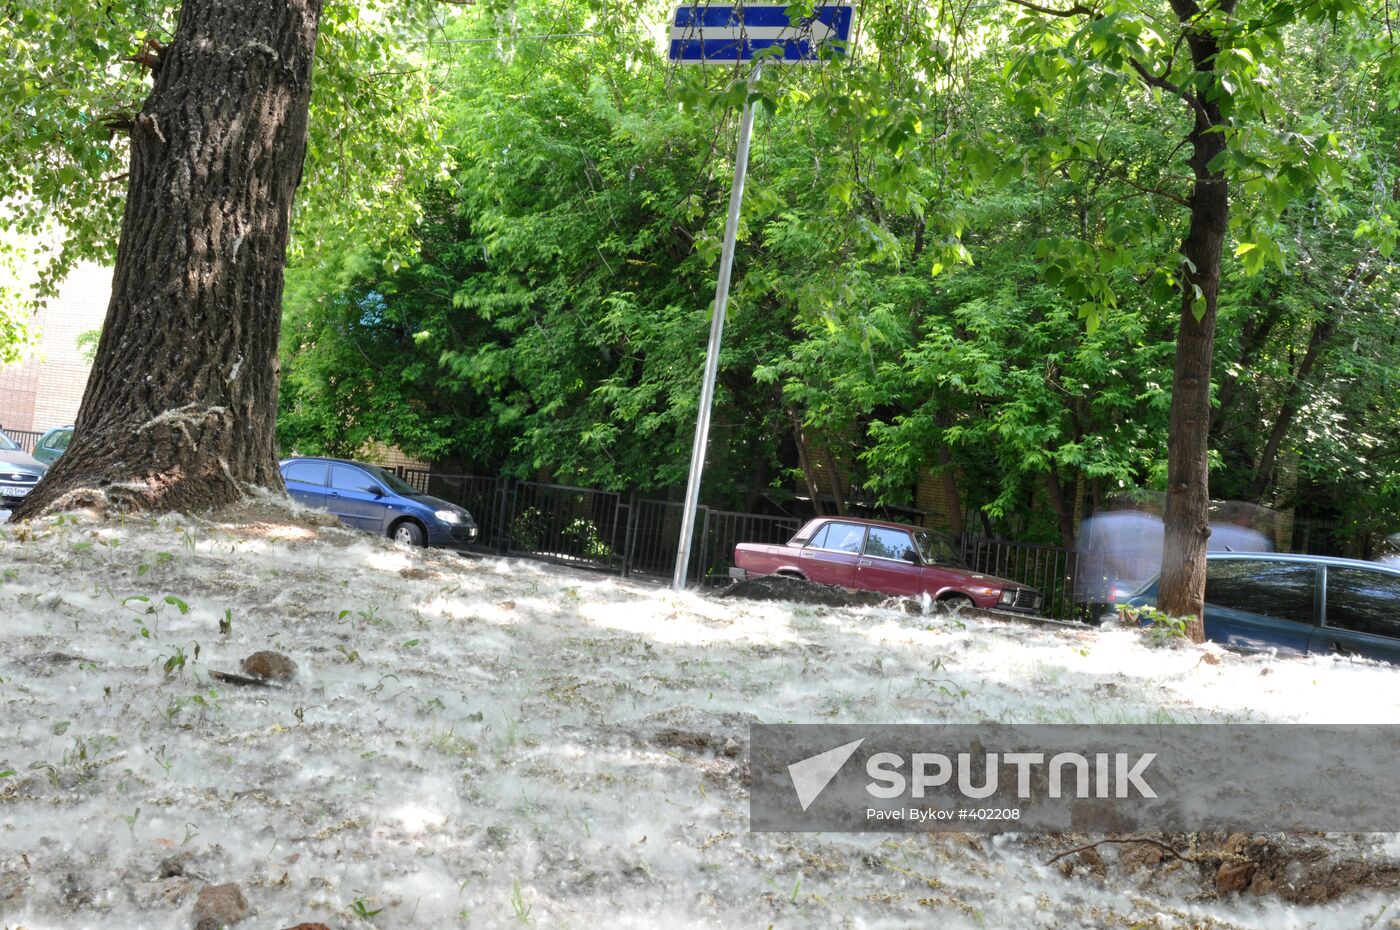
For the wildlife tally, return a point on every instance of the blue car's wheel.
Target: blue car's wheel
(407, 533)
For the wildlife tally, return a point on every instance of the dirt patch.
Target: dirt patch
(267, 517)
(798, 591)
(1302, 870)
(1299, 869)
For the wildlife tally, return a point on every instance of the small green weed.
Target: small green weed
(518, 905)
(1164, 630)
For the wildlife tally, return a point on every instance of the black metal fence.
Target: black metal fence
(632, 535)
(1051, 570)
(591, 528)
(26, 439)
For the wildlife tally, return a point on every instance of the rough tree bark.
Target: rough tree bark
(180, 407)
(1187, 517)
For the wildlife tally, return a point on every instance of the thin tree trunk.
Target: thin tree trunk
(1187, 517)
(1064, 509)
(951, 498)
(1253, 337)
(180, 408)
(758, 483)
(805, 460)
(838, 493)
(1292, 400)
(1322, 333)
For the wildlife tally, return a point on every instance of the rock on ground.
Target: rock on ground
(219, 906)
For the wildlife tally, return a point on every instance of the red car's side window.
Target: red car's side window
(845, 537)
(890, 544)
(842, 537)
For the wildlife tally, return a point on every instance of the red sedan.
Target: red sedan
(890, 558)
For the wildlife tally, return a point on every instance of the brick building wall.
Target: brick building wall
(378, 453)
(45, 390)
(930, 497)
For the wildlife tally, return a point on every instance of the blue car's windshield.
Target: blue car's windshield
(7, 443)
(393, 481)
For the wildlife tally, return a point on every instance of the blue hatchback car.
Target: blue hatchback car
(368, 497)
(1299, 603)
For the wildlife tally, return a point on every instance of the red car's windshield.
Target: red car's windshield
(937, 549)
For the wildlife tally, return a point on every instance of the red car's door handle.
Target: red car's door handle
(863, 562)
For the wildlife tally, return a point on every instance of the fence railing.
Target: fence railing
(1049, 569)
(26, 439)
(591, 528)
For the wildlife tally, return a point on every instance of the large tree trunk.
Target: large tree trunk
(180, 407)
(1187, 517)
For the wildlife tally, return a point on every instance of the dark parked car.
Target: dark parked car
(51, 445)
(1299, 603)
(887, 557)
(370, 498)
(19, 472)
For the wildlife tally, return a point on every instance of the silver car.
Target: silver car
(19, 472)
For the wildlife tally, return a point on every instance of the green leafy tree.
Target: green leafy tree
(1205, 69)
(179, 411)
(962, 250)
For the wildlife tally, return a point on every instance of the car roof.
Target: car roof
(324, 458)
(863, 521)
(1301, 557)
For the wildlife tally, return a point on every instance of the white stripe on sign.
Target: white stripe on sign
(818, 32)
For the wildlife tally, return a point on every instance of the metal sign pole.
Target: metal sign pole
(707, 388)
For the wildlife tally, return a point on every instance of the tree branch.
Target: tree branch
(1157, 191)
(1076, 10)
(1152, 80)
(1130, 839)
(119, 121)
(149, 55)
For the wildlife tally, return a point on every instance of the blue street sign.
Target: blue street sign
(727, 34)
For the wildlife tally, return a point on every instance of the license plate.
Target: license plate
(10, 490)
